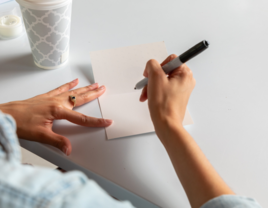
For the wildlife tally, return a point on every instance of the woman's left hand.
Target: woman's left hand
(35, 116)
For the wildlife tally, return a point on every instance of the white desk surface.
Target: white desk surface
(229, 104)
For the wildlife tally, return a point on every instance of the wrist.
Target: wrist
(3, 108)
(7, 108)
(166, 129)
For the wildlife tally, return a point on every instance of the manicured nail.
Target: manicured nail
(65, 150)
(102, 87)
(75, 80)
(109, 121)
(94, 85)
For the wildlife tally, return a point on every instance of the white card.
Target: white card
(119, 70)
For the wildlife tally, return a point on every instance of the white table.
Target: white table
(228, 105)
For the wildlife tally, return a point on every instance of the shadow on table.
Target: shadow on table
(73, 130)
(108, 158)
(87, 71)
(19, 65)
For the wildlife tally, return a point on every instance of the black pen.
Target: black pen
(175, 63)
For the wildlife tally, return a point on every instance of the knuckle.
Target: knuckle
(150, 66)
(84, 97)
(93, 86)
(56, 110)
(194, 82)
(145, 73)
(153, 66)
(59, 89)
(186, 70)
(152, 62)
(172, 56)
(100, 121)
(69, 85)
(59, 142)
(96, 93)
(190, 73)
(84, 119)
(183, 67)
(73, 92)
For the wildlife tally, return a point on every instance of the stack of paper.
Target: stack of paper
(119, 70)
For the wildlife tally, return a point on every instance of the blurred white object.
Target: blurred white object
(10, 26)
(11, 23)
(4, 1)
(32, 159)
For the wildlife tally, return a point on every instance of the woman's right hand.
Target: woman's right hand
(167, 95)
(167, 99)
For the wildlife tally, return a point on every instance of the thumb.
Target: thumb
(155, 72)
(47, 136)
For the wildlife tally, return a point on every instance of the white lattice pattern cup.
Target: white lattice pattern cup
(47, 23)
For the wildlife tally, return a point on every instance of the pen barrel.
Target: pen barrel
(170, 66)
(194, 51)
(141, 84)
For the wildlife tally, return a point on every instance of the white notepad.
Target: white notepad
(119, 70)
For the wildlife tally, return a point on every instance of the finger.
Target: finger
(181, 71)
(47, 136)
(83, 120)
(84, 89)
(64, 88)
(89, 96)
(143, 96)
(168, 59)
(155, 72)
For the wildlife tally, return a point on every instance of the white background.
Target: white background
(229, 104)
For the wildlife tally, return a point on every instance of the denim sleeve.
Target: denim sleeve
(36, 187)
(231, 201)
(9, 148)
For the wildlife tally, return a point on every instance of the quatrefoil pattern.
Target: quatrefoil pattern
(48, 33)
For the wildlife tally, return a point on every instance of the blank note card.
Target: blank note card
(119, 70)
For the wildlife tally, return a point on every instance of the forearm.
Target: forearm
(199, 179)
(14, 108)
(4, 107)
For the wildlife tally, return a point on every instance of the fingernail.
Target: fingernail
(65, 150)
(109, 121)
(102, 87)
(75, 80)
(93, 86)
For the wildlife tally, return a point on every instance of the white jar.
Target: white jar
(10, 26)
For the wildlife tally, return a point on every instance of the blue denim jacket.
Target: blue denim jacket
(35, 187)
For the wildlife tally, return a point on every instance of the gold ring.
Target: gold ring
(73, 99)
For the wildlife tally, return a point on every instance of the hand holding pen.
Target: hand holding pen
(175, 63)
(167, 99)
(167, 96)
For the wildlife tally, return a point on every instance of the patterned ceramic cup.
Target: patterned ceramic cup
(47, 23)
